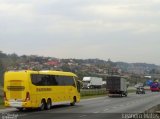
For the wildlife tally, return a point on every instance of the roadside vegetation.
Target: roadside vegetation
(98, 92)
(93, 92)
(82, 67)
(1, 100)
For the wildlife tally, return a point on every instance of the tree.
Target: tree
(1, 72)
(2, 55)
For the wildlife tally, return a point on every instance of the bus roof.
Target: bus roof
(52, 72)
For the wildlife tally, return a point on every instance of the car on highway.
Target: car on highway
(139, 85)
(140, 90)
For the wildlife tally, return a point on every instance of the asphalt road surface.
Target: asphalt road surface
(96, 108)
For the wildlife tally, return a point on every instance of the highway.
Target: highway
(102, 107)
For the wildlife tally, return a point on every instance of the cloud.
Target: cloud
(119, 29)
(15, 10)
(61, 15)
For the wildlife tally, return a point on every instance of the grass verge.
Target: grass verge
(1, 103)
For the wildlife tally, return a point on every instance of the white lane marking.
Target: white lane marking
(114, 107)
(106, 109)
(96, 112)
(121, 105)
(82, 116)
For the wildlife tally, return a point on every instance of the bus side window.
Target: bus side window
(53, 81)
(36, 79)
(60, 80)
(70, 81)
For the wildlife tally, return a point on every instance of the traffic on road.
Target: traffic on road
(47, 94)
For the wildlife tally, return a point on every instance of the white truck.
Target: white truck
(92, 82)
(116, 85)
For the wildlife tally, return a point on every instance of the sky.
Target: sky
(120, 30)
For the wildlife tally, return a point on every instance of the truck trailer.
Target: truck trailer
(92, 82)
(116, 85)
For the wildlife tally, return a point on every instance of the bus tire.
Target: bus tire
(49, 104)
(43, 105)
(74, 101)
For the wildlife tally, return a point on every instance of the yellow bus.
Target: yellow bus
(40, 89)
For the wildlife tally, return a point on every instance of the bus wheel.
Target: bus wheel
(42, 106)
(74, 101)
(49, 104)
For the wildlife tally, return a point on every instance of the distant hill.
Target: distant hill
(82, 67)
(142, 68)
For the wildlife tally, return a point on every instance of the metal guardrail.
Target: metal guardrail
(91, 92)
